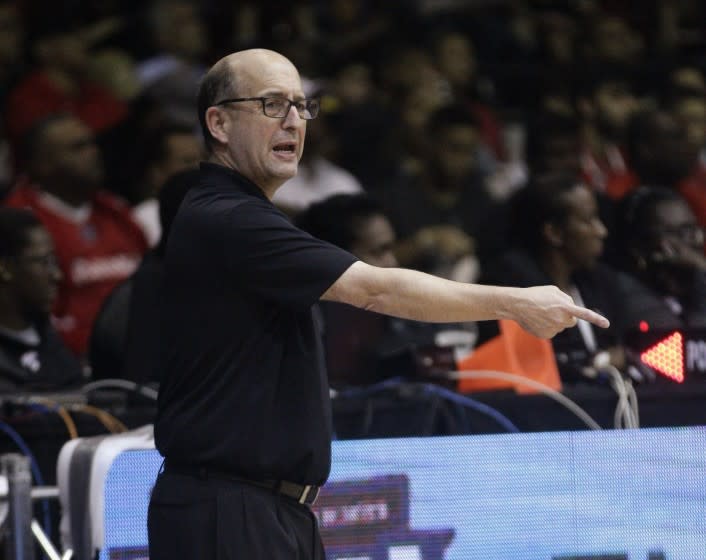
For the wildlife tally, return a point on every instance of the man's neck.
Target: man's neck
(558, 270)
(224, 159)
(65, 196)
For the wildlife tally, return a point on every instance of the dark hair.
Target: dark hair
(15, 224)
(542, 201)
(637, 213)
(153, 144)
(337, 218)
(170, 198)
(217, 84)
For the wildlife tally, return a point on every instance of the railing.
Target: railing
(16, 495)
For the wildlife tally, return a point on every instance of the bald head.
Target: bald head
(233, 76)
(254, 61)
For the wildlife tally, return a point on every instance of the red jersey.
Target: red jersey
(95, 252)
(608, 174)
(693, 189)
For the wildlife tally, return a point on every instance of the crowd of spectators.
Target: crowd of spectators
(508, 141)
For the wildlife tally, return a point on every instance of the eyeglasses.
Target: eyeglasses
(279, 107)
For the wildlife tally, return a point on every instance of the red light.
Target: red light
(667, 357)
(644, 326)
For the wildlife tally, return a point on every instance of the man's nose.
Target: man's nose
(292, 120)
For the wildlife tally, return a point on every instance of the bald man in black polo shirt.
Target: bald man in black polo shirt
(244, 419)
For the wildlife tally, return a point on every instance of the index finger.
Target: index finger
(589, 315)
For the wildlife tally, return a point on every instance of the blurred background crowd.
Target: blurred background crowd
(510, 142)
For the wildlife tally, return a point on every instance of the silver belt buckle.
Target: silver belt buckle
(309, 489)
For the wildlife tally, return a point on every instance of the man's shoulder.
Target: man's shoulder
(211, 200)
(22, 195)
(210, 214)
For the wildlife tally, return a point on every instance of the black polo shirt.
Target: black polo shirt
(244, 389)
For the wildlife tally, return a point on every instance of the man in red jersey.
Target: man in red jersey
(97, 242)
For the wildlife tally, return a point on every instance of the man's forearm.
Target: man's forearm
(543, 310)
(415, 295)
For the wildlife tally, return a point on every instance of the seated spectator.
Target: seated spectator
(97, 243)
(166, 150)
(363, 126)
(411, 144)
(558, 238)
(171, 77)
(663, 246)
(361, 346)
(455, 58)
(606, 105)
(690, 111)
(446, 213)
(32, 356)
(125, 333)
(663, 155)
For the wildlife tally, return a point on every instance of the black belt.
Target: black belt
(302, 493)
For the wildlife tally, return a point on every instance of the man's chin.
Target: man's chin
(287, 172)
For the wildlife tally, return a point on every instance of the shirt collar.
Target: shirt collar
(76, 214)
(215, 174)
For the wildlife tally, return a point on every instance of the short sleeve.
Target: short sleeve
(268, 256)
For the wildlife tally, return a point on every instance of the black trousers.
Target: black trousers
(193, 518)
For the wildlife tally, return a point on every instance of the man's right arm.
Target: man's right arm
(409, 294)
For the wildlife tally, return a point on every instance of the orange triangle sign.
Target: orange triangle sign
(667, 357)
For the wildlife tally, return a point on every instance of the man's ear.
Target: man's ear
(553, 235)
(218, 124)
